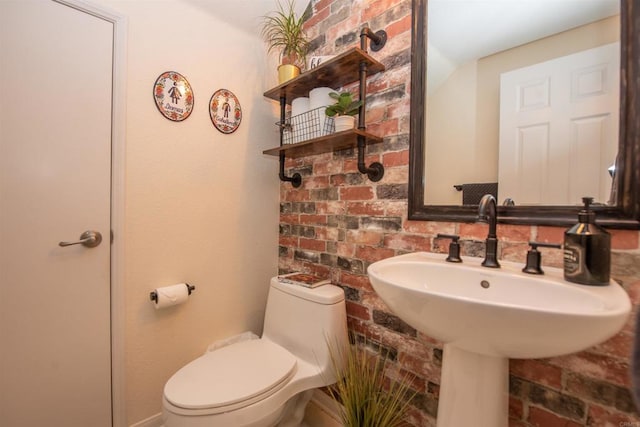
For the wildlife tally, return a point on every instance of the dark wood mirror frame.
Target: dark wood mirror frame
(626, 213)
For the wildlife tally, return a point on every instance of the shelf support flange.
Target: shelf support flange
(375, 172)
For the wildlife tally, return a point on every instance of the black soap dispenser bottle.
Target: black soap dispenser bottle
(587, 250)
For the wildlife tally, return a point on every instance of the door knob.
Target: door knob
(89, 239)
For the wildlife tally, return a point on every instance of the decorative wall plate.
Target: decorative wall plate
(173, 95)
(225, 111)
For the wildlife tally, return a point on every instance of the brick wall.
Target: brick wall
(338, 222)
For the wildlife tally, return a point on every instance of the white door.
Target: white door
(559, 128)
(55, 160)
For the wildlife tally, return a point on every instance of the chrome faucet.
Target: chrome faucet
(488, 212)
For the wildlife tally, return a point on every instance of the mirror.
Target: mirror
(432, 195)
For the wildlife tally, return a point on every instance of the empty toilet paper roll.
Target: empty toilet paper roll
(319, 97)
(299, 106)
(168, 296)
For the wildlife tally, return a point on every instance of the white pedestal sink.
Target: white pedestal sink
(485, 316)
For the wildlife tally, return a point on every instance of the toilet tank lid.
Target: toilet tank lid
(325, 294)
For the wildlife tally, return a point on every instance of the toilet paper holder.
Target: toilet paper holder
(153, 295)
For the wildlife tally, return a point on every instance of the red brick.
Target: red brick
(515, 252)
(514, 233)
(413, 364)
(355, 281)
(399, 27)
(327, 233)
(606, 417)
(345, 249)
(314, 182)
(313, 244)
(297, 196)
(624, 239)
(311, 219)
(541, 418)
(429, 227)
(389, 127)
(377, 8)
(376, 85)
(367, 253)
(550, 234)
(596, 366)
(537, 371)
(357, 310)
(356, 193)
(516, 409)
(327, 167)
(396, 208)
(336, 207)
(396, 158)
(290, 218)
(364, 237)
(321, 13)
(289, 241)
(619, 346)
(470, 231)
(408, 242)
(351, 165)
(396, 175)
(366, 208)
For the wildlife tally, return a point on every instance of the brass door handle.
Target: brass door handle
(89, 239)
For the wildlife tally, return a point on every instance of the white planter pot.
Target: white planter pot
(344, 123)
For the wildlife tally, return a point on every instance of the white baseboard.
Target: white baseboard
(322, 411)
(153, 421)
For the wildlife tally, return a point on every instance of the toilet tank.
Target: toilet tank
(306, 320)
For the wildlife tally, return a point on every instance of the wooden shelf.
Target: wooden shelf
(324, 144)
(335, 73)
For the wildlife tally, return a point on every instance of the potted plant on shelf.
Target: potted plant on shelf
(282, 30)
(343, 111)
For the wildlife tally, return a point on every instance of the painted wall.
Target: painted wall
(201, 206)
(338, 222)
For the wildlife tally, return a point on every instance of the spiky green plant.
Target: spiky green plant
(368, 397)
(344, 105)
(283, 31)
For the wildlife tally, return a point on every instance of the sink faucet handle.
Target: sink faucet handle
(534, 257)
(454, 247)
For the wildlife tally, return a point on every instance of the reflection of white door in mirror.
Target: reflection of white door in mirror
(469, 45)
(559, 128)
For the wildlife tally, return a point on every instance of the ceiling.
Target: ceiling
(463, 30)
(470, 29)
(245, 15)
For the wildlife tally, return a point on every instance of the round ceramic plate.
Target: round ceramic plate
(225, 111)
(173, 95)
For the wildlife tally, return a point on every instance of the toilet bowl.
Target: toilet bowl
(268, 381)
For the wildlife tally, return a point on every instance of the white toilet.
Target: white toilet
(268, 381)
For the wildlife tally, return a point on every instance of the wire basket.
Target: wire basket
(301, 127)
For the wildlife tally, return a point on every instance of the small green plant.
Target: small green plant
(344, 106)
(283, 31)
(368, 397)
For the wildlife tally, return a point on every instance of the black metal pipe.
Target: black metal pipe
(296, 179)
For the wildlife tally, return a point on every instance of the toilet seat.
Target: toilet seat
(231, 377)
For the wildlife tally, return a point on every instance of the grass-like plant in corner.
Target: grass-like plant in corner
(368, 397)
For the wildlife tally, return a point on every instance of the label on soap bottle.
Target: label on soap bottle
(573, 260)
